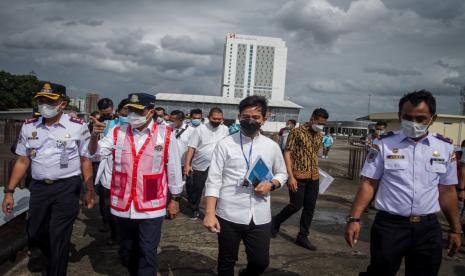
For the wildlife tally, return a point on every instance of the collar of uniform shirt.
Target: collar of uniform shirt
(147, 129)
(248, 139)
(61, 122)
(424, 140)
(183, 126)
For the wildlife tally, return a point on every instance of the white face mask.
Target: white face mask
(160, 120)
(136, 120)
(414, 130)
(48, 111)
(318, 128)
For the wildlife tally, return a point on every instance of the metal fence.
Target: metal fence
(9, 130)
(357, 155)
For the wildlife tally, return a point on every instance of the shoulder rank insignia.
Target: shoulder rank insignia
(30, 121)
(442, 138)
(372, 153)
(386, 135)
(76, 120)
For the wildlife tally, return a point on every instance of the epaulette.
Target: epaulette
(386, 135)
(30, 121)
(442, 138)
(76, 120)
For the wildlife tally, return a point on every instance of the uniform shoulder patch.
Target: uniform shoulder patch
(76, 120)
(30, 121)
(386, 135)
(443, 138)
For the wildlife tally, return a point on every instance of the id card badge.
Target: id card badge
(64, 158)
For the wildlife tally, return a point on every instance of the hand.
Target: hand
(187, 170)
(173, 209)
(352, 233)
(454, 242)
(98, 127)
(263, 189)
(211, 223)
(292, 184)
(89, 199)
(8, 203)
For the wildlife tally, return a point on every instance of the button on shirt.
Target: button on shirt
(204, 139)
(226, 175)
(183, 140)
(45, 146)
(409, 173)
(174, 173)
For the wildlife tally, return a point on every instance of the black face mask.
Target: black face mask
(215, 124)
(250, 126)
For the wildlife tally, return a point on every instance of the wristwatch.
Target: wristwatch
(274, 187)
(460, 189)
(350, 219)
(8, 191)
(176, 198)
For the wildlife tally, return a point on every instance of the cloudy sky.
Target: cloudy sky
(339, 51)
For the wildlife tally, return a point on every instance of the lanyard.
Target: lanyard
(243, 154)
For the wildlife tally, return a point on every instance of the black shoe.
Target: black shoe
(274, 228)
(305, 243)
(195, 215)
(111, 242)
(37, 261)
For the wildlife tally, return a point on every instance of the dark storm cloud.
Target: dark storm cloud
(188, 45)
(443, 9)
(54, 19)
(391, 71)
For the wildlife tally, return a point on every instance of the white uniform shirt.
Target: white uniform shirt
(183, 140)
(175, 183)
(204, 140)
(45, 146)
(228, 168)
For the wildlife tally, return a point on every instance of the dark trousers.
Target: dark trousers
(195, 188)
(256, 240)
(306, 196)
(143, 235)
(52, 211)
(393, 238)
(105, 210)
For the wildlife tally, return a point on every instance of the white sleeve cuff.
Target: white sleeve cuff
(212, 192)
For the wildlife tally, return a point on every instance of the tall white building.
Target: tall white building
(254, 65)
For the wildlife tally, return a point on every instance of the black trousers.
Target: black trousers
(394, 237)
(52, 211)
(144, 237)
(105, 210)
(256, 240)
(194, 189)
(306, 196)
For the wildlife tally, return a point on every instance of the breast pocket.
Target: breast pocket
(434, 170)
(395, 164)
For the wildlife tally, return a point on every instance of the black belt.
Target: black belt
(411, 219)
(56, 181)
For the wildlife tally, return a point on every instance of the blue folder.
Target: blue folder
(260, 173)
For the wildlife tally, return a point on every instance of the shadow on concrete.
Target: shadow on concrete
(176, 262)
(459, 270)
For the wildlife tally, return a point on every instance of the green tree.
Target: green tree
(16, 91)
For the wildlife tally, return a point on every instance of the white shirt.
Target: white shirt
(175, 183)
(183, 140)
(228, 168)
(45, 145)
(204, 140)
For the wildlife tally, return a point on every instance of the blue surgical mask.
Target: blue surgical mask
(123, 120)
(196, 122)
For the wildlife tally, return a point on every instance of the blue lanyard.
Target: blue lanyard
(250, 152)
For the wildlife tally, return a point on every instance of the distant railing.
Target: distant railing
(9, 130)
(357, 155)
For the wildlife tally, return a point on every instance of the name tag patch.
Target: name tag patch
(396, 157)
(441, 161)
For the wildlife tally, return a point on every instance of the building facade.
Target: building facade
(254, 65)
(91, 102)
(80, 103)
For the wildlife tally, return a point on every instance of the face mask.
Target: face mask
(414, 130)
(196, 122)
(380, 132)
(215, 124)
(249, 126)
(160, 120)
(106, 117)
(136, 120)
(317, 128)
(171, 124)
(48, 111)
(123, 120)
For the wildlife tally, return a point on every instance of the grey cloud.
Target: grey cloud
(70, 23)
(43, 39)
(54, 19)
(202, 46)
(442, 9)
(391, 71)
(86, 22)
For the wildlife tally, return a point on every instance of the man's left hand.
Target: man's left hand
(453, 244)
(89, 199)
(173, 209)
(263, 189)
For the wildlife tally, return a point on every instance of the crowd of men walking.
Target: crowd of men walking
(139, 160)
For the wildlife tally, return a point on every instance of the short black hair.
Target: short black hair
(294, 122)
(104, 103)
(214, 110)
(158, 108)
(123, 103)
(179, 114)
(254, 101)
(416, 97)
(320, 113)
(382, 123)
(196, 111)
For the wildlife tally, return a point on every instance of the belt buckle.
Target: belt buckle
(415, 219)
(48, 181)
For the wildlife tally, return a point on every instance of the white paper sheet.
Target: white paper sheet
(325, 181)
